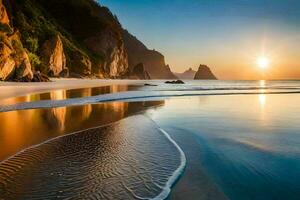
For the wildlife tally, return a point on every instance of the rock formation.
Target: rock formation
(153, 61)
(53, 56)
(139, 72)
(204, 73)
(75, 38)
(188, 74)
(14, 61)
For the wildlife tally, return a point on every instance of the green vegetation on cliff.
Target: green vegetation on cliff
(76, 22)
(71, 37)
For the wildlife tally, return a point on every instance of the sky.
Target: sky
(227, 35)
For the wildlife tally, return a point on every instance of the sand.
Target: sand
(13, 89)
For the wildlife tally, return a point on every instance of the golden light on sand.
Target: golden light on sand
(263, 62)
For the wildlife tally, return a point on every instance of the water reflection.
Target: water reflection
(262, 100)
(67, 94)
(262, 83)
(20, 129)
(249, 143)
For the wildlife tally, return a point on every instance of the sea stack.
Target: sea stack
(204, 73)
(186, 75)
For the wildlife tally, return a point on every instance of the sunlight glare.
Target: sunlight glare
(263, 62)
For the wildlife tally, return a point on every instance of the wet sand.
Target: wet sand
(24, 128)
(117, 161)
(63, 94)
(13, 89)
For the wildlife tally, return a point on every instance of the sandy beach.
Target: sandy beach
(14, 89)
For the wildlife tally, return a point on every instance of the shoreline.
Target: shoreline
(46, 145)
(16, 89)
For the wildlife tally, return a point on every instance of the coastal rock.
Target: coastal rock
(64, 73)
(204, 73)
(154, 61)
(85, 39)
(53, 56)
(175, 82)
(39, 77)
(139, 72)
(7, 63)
(23, 69)
(115, 62)
(14, 60)
(188, 74)
(79, 63)
(4, 19)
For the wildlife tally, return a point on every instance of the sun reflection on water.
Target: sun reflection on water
(262, 100)
(262, 83)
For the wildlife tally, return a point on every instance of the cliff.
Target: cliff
(139, 72)
(153, 61)
(78, 38)
(14, 60)
(188, 74)
(59, 37)
(204, 73)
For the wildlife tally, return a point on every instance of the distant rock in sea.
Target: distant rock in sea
(204, 73)
(175, 82)
(188, 74)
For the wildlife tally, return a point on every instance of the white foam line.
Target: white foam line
(176, 174)
(121, 96)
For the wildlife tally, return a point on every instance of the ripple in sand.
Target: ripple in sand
(130, 159)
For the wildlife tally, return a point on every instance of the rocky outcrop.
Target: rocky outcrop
(188, 74)
(14, 61)
(115, 63)
(139, 72)
(79, 38)
(153, 61)
(91, 31)
(175, 82)
(204, 73)
(53, 56)
(4, 19)
(7, 63)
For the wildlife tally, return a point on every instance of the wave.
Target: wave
(128, 96)
(176, 174)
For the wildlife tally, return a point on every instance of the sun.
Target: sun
(263, 62)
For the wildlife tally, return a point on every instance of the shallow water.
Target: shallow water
(159, 91)
(23, 128)
(62, 94)
(118, 161)
(250, 144)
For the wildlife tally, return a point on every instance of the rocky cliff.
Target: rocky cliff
(79, 38)
(153, 61)
(14, 61)
(204, 73)
(188, 74)
(53, 56)
(59, 37)
(139, 72)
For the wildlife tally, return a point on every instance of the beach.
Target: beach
(196, 141)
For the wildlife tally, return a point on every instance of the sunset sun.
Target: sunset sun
(263, 62)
